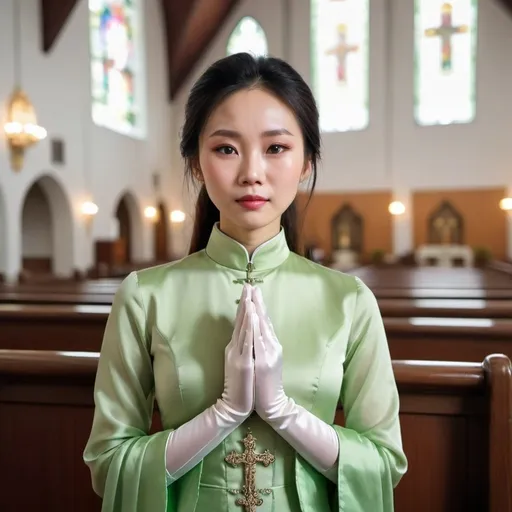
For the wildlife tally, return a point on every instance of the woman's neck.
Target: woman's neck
(251, 239)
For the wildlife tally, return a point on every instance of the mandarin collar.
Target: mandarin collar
(227, 252)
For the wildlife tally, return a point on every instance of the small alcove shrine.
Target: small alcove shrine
(347, 237)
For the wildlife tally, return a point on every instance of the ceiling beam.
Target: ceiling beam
(54, 15)
(203, 22)
(175, 14)
(508, 5)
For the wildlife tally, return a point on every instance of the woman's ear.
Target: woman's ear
(198, 175)
(306, 172)
(196, 171)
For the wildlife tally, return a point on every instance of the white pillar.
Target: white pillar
(148, 240)
(509, 227)
(13, 254)
(84, 241)
(3, 234)
(180, 239)
(403, 240)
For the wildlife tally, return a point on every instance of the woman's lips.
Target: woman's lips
(252, 202)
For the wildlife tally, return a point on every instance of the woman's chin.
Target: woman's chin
(255, 221)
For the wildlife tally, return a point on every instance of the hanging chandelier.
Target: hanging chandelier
(21, 128)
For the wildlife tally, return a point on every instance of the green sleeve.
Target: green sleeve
(371, 458)
(127, 465)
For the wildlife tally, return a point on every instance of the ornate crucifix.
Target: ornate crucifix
(445, 31)
(249, 458)
(341, 50)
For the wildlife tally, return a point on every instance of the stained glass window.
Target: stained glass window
(445, 61)
(248, 36)
(340, 63)
(116, 52)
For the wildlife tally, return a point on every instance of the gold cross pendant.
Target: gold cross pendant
(249, 458)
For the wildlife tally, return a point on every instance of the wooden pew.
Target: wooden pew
(397, 282)
(81, 327)
(440, 308)
(443, 293)
(455, 418)
(403, 285)
(87, 292)
(448, 339)
(400, 306)
(401, 277)
(47, 327)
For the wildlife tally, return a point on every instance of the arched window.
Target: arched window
(116, 65)
(445, 61)
(340, 63)
(248, 36)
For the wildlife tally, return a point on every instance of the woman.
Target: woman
(247, 394)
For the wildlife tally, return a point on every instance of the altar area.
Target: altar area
(347, 238)
(444, 255)
(445, 246)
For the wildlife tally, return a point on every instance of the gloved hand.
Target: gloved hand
(238, 395)
(314, 439)
(192, 441)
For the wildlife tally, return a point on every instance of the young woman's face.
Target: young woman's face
(251, 158)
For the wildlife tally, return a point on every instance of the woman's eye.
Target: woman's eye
(276, 148)
(226, 150)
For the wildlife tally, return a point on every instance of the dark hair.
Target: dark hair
(223, 78)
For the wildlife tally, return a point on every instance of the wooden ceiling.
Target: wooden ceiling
(190, 27)
(507, 4)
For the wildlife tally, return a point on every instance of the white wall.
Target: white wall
(393, 152)
(100, 164)
(457, 156)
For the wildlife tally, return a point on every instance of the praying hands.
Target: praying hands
(314, 439)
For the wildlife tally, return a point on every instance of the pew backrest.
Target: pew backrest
(455, 418)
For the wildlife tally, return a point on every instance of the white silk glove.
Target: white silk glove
(192, 441)
(312, 438)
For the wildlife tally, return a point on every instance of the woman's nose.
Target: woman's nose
(251, 172)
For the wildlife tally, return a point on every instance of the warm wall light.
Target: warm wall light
(150, 212)
(89, 208)
(21, 128)
(396, 208)
(177, 216)
(506, 203)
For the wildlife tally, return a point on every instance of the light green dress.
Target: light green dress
(165, 339)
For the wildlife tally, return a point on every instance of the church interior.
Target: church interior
(414, 196)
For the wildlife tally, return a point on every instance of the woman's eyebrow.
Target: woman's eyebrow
(237, 135)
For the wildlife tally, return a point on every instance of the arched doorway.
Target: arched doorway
(129, 222)
(3, 237)
(47, 230)
(161, 235)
